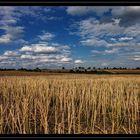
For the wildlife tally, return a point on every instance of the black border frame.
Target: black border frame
(70, 3)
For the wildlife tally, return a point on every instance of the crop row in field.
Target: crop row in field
(33, 105)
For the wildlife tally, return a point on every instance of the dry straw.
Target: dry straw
(70, 104)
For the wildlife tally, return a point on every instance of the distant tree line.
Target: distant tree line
(105, 68)
(21, 69)
(76, 69)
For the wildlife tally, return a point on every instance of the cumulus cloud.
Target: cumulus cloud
(39, 48)
(136, 58)
(92, 27)
(125, 38)
(122, 39)
(9, 23)
(46, 36)
(116, 34)
(78, 61)
(109, 51)
(4, 39)
(11, 34)
(44, 50)
(10, 53)
(39, 54)
(128, 15)
(94, 42)
(3, 58)
(114, 50)
(8, 15)
(65, 59)
(11, 14)
(110, 34)
(83, 10)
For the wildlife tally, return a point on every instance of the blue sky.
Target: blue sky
(52, 37)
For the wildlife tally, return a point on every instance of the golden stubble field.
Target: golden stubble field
(70, 104)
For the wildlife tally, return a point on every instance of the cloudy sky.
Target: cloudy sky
(52, 37)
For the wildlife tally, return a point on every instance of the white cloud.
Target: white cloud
(95, 33)
(113, 39)
(65, 59)
(94, 42)
(8, 15)
(14, 12)
(114, 50)
(39, 48)
(112, 33)
(83, 10)
(78, 61)
(136, 58)
(132, 31)
(128, 45)
(125, 38)
(9, 22)
(11, 34)
(104, 64)
(3, 58)
(10, 53)
(128, 15)
(91, 27)
(4, 39)
(46, 36)
(122, 39)
(96, 51)
(77, 10)
(110, 51)
(122, 10)
(40, 54)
